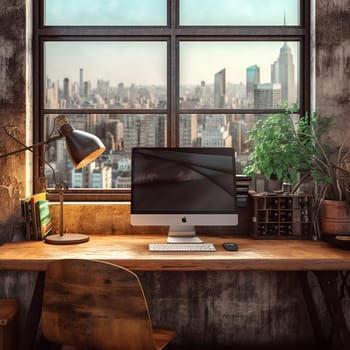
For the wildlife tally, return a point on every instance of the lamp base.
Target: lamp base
(67, 238)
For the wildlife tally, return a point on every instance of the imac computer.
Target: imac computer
(183, 188)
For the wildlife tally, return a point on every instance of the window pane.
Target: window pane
(238, 74)
(239, 12)
(106, 12)
(119, 133)
(219, 130)
(105, 75)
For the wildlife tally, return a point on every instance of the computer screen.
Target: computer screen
(183, 188)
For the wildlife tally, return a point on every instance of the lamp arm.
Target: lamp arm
(30, 148)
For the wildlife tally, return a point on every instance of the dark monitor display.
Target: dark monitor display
(183, 188)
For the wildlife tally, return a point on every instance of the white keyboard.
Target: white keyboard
(182, 247)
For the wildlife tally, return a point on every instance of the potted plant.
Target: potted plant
(277, 150)
(329, 169)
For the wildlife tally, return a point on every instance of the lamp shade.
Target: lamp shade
(82, 147)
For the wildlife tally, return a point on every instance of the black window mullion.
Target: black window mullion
(173, 82)
(231, 111)
(173, 92)
(104, 111)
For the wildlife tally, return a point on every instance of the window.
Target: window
(162, 73)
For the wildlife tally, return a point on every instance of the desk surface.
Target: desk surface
(132, 251)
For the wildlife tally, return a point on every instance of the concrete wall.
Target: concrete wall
(333, 65)
(206, 308)
(12, 112)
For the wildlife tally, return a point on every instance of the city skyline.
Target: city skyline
(198, 61)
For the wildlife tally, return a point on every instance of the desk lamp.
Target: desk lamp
(82, 148)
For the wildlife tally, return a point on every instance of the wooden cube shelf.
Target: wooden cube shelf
(282, 216)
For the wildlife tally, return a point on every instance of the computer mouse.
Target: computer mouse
(232, 247)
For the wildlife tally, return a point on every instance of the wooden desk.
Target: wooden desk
(132, 252)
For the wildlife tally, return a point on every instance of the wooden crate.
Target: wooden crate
(282, 216)
(8, 324)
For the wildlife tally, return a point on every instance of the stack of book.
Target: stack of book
(36, 217)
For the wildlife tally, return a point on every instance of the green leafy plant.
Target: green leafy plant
(327, 167)
(277, 148)
(289, 149)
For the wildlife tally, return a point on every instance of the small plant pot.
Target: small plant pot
(273, 185)
(334, 218)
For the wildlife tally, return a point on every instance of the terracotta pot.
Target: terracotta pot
(334, 218)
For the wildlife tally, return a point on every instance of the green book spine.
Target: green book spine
(44, 219)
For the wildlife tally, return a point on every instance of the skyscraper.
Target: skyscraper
(220, 89)
(216, 137)
(253, 78)
(267, 95)
(283, 72)
(188, 130)
(66, 92)
(81, 83)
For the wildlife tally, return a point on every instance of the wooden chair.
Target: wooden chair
(97, 305)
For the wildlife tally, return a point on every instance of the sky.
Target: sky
(145, 64)
(127, 62)
(124, 12)
(239, 12)
(105, 12)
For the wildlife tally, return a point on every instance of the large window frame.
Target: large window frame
(173, 34)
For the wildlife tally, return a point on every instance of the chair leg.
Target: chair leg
(27, 341)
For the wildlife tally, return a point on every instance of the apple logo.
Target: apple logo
(184, 219)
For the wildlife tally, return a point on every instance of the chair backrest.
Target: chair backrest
(95, 305)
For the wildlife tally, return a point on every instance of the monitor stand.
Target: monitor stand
(183, 234)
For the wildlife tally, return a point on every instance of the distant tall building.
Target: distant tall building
(101, 177)
(103, 88)
(148, 135)
(283, 72)
(86, 89)
(131, 133)
(220, 89)
(162, 131)
(123, 176)
(66, 92)
(51, 100)
(216, 120)
(188, 131)
(267, 95)
(253, 78)
(275, 72)
(216, 137)
(81, 82)
(215, 132)
(77, 180)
